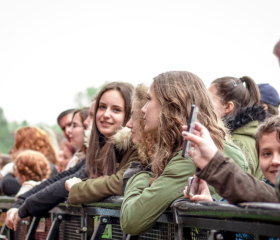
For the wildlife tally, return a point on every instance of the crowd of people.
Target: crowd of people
(129, 142)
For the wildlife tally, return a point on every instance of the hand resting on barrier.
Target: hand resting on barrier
(203, 193)
(12, 219)
(203, 146)
(71, 182)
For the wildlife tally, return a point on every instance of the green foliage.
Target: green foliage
(84, 99)
(6, 138)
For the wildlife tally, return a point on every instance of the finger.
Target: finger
(184, 127)
(15, 225)
(185, 192)
(193, 138)
(66, 186)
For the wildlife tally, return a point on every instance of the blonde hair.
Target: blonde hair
(177, 91)
(32, 164)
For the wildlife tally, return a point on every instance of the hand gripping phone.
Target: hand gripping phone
(193, 184)
(191, 125)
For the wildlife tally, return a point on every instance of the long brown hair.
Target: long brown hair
(101, 158)
(177, 91)
(232, 89)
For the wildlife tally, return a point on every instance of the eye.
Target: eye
(117, 109)
(266, 154)
(102, 107)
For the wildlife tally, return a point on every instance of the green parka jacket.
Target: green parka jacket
(142, 205)
(243, 127)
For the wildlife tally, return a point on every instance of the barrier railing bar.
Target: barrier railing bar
(32, 229)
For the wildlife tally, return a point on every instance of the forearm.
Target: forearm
(233, 184)
(47, 183)
(94, 190)
(49, 197)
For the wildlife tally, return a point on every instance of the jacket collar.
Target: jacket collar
(244, 116)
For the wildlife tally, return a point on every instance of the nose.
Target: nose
(276, 159)
(68, 130)
(107, 113)
(86, 122)
(143, 109)
(129, 123)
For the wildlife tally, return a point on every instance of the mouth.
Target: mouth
(274, 171)
(106, 123)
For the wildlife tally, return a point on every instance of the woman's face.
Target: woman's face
(77, 132)
(134, 124)
(151, 111)
(111, 113)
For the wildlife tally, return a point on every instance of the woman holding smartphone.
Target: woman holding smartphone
(149, 193)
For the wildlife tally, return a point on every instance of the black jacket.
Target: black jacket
(45, 196)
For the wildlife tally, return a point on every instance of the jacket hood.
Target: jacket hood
(245, 115)
(121, 140)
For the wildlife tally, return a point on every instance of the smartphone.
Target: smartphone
(193, 184)
(191, 125)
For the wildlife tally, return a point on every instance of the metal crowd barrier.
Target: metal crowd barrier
(183, 220)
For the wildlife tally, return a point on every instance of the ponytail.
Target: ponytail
(243, 92)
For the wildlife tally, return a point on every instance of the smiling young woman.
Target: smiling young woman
(105, 162)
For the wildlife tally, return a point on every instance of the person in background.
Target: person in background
(64, 121)
(276, 50)
(65, 154)
(76, 135)
(238, 103)
(4, 159)
(31, 167)
(31, 138)
(229, 181)
(269, 98)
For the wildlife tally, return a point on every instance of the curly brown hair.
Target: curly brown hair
(35, 139)
(177, 91)
(145, 141)
(32, 164)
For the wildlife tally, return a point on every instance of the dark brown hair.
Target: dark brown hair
(101, 158)
(84, 112)
(177, 91)
(271, 124)
(232, 89)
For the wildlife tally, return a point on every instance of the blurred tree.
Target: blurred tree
(6, 138)
(84, 99)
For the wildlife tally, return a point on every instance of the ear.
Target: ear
(229, 106)
(265, 106)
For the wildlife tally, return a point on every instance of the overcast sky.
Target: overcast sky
(50, 50)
